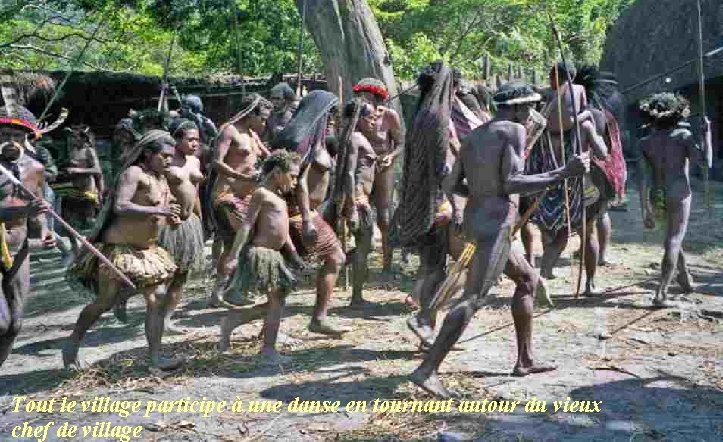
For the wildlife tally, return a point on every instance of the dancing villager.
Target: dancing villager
(236, 153)
(127, 232)
(610, 173)
(311, 234)
(387, 140)
(80, 185)
(258, 263)
(355, 178)
(462, 122)
(491, 161)
(424, 211)
(668, 151)
(192, 109)
(554, 146)
(285, 104)
(17, 213)
(183, 238)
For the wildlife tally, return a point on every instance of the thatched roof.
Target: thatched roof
(653, 36)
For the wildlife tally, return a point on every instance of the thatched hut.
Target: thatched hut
(654, 36)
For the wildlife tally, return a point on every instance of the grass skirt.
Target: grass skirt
(259, 270)
(144, 267)
(326, 243)
(185, 243)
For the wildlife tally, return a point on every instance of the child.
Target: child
(259, 264)
(668, 151)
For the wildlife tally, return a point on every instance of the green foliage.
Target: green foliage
(258, 37)
(507, 31)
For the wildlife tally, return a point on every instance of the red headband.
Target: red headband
(25, 124)
(379, 91)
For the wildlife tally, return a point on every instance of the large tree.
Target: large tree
(350, 43)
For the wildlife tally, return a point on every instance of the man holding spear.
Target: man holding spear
(492, 162)
(17, 211)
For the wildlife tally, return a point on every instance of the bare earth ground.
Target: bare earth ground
(659, 375)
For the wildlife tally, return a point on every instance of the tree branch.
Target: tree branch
(34, 48)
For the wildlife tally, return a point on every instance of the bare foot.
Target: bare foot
(70, 356)
(431, 384)
(660, 302)
(361, 303)
(522, 371)
(423, 331)
(273, 357)
(591, 291)
(686, 282)
(542, 297)
(411, 303)
(323, 327)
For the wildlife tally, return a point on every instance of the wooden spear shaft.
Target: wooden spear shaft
(701, 92)
(70, 229)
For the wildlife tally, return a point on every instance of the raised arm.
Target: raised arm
(513, 165)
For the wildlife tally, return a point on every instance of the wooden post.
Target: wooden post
(486, 68)
(534, 76)
(509, 71)
(519, 72)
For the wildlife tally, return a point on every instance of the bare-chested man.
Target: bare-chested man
(386, 139)
(359, 183)
(127, 233)
(491, 161)
(183, 237)
(312, 235)
(80, 183)
(258, 262)
(16, 213)
(237, 152)
(547, 155)
(669, 150)
(285, 102)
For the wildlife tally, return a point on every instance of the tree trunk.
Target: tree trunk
(350, 43)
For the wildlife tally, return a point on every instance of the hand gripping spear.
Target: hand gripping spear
(577, 147)
(9, 175)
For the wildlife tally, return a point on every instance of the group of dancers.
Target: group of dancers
(281, 183)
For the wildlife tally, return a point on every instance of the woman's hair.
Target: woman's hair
(665, 109)
(263, 104)
(180, 126)
(281, 159)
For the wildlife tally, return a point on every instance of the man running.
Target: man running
(491, 161)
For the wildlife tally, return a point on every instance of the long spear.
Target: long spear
(701, 85)
(9, 175)
(577, 147)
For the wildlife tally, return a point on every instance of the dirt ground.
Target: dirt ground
(658, 373)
